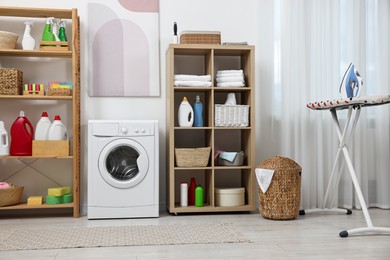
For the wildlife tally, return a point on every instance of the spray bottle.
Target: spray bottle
(47, 34)
(62, 33)
(28, 42)
(55, 27)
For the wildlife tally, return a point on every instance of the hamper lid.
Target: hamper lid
(279, 163)
(229, 190)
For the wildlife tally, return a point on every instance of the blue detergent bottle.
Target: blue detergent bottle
(198, 112)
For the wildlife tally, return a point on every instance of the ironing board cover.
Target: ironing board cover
(344, 103)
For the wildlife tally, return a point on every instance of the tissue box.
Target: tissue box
(50, 148)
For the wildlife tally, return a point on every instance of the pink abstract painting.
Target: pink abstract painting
(123, 52)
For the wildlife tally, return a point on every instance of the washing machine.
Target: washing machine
(123, 169)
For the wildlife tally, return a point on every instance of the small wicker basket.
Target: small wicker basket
(8, 40)
(192, 157)
(59, 92)
(11, 81)
(10, 196)
(282, 199)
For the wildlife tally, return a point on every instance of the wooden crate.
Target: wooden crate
(50, 148)
(53, 46)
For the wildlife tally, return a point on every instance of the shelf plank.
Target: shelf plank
(36, 157)
(35, 12)
(35, 53)
(208, 208)
(35, 97)
(43, 206)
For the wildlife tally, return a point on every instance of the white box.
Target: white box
(229, 197)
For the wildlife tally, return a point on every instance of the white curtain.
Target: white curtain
(305, 46)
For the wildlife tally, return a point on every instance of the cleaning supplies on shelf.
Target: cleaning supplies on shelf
(185, 114)
(59, 195)
(35, 200)
(28, 42)
(57, 130)
(4, 142)
(55, 28)
(47, 34)
(230, 78)
(184, 80)
(183, 194)
(191, 192)
(198, 112)
(22, 133)
(62, 32)
(42, 128)
(199, 196)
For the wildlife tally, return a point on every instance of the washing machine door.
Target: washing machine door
(123, 163)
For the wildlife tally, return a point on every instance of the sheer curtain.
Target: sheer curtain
(310, 44)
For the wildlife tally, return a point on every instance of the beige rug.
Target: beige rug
(111, 236)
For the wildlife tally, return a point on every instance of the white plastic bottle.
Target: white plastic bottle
(4, 143)
(42, 128)
(57, 130)
(185, 114)
(183, 194)
(28, 42)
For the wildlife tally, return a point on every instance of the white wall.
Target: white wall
(235, 19)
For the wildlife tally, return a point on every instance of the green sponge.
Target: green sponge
(68, 198)
(54, 200)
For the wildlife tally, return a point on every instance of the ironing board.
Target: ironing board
(353, 105)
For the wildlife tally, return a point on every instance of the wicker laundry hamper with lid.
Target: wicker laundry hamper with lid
(282, 198)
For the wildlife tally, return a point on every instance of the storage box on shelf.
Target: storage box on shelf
(220, 131)
(71, 53)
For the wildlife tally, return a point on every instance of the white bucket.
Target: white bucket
(229, 197)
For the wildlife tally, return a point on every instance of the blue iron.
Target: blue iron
(351, 84)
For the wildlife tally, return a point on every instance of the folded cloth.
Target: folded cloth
(228, 156)
(4, 185)
(231, 84)
(184, 83)
(264, 178)
(230, 79)
(185, 77)
(220, 72)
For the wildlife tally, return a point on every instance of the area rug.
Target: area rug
(112, 236)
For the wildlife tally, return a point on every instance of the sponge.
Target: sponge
(54, 200)
(35, 200)
(58, 191)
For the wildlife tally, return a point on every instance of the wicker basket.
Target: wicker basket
(192, 157)
(10, 196)
(11, 81)
(8, 40)
(231, 115)
(281, 200)
(59, 92)
(200, 37)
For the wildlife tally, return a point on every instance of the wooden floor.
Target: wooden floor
(313, 236)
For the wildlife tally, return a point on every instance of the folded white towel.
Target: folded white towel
(230, 71)
(193, 77)
(230, 79)
(231, 84)
(186, 83)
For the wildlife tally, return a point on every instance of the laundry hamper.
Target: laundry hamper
(282, 198)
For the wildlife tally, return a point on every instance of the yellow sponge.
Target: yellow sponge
(35, 200)
(58, 191)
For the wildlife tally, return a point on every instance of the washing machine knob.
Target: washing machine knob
(136, 130)
(124, 130)
(143, 130)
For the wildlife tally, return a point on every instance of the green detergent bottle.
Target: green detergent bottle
(199, 196)
(47, 34)
(62, 33)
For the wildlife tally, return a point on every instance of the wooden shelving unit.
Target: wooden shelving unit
(74, 55)
(205, 59)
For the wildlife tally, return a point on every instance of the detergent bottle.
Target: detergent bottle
(198, 112)
(47, 34)
(57, 130)
(4, 144)
(22, 133)
(42, 128)
(186, 114)
(28, 42)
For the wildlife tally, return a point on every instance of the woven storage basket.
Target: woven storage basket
(192, 157)
(59, 92)
(200, 37)
(10, 196)
(231, 115)
(8, 40)
(11, 81)
(281, 200)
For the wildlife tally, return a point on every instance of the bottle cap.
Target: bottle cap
(21, 114)
(57, 117)
(44, 114)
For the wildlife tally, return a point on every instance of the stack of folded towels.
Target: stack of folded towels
(182, 80)
(230, 78)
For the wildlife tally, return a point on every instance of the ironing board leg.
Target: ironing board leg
(370, 227)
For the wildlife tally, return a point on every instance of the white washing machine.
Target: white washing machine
(123, 175)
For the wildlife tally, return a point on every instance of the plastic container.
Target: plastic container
(42, 128)
(191, 192)
(57, 130)
(47, 34)
(183, 194)
(22, 133)
(28, 42)
(229, 197)
(199, 196)
(4, 142)
(185, 114)
(198, 112)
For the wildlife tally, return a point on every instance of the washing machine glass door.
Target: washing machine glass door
(123, 163)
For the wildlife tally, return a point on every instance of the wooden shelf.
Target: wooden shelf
(35, 97)
(36, 157)
(36, 53)
(43, 206)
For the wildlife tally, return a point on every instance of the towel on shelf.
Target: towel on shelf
(228, 156)
(231, 84)
(230, 79)
(185, 77)
(185, 83)
(224, 72)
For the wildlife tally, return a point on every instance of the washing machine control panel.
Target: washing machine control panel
(135, 129)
